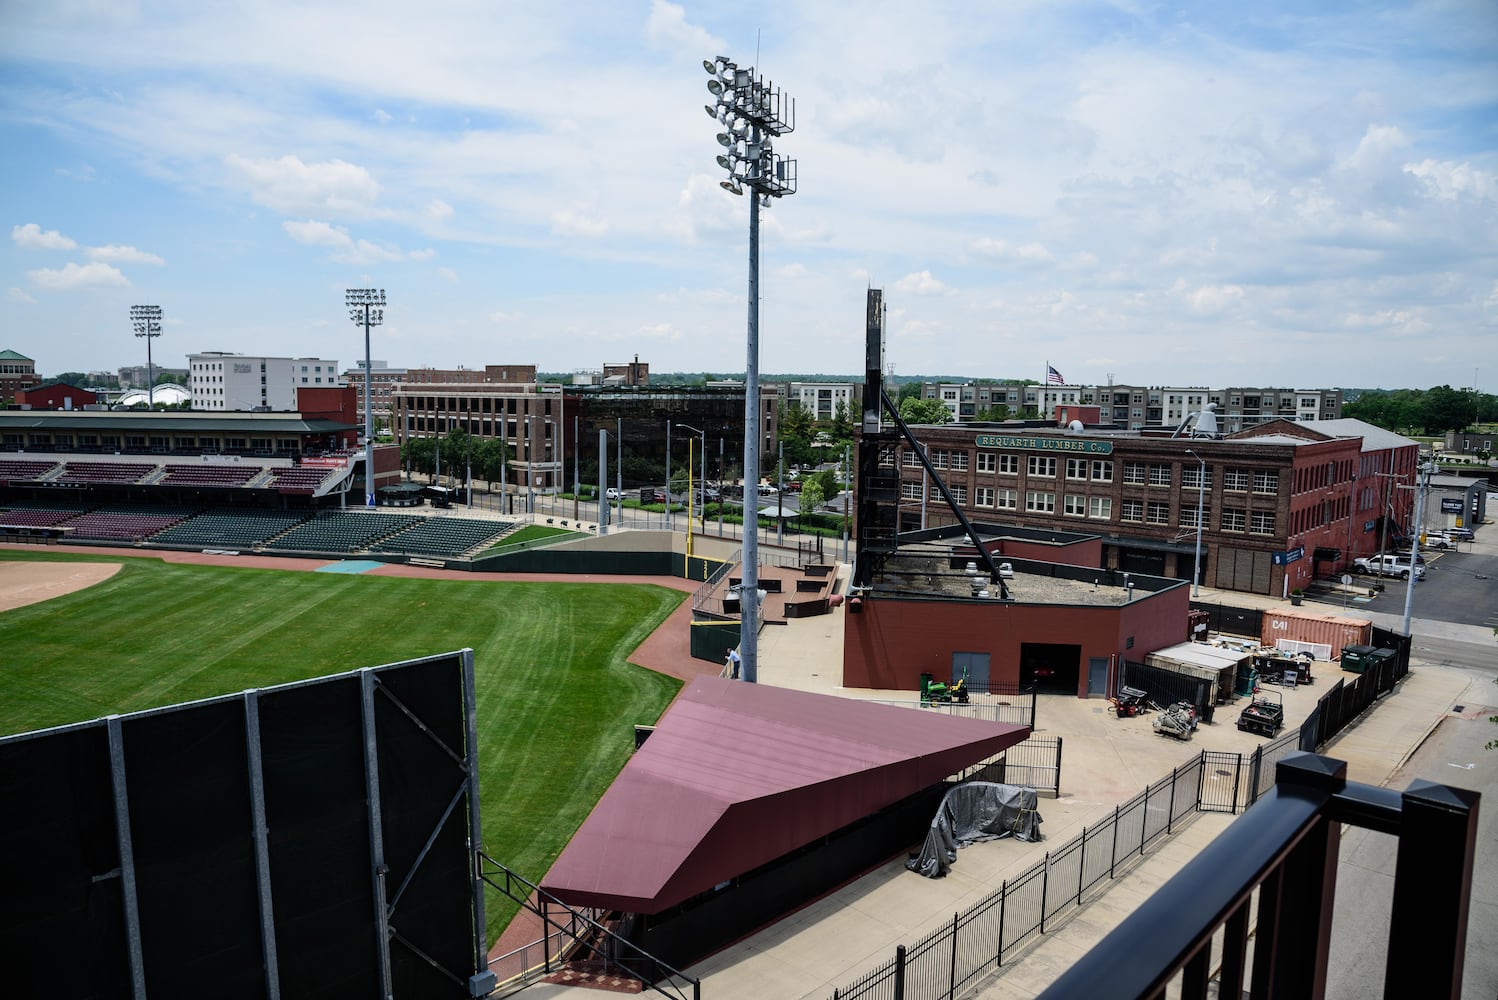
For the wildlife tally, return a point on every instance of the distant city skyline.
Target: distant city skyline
(1195, 194)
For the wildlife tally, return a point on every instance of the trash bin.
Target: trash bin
(1358, 658)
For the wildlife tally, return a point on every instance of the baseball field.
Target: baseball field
(556, 695)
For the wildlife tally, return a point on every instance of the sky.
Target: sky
(1299, 194)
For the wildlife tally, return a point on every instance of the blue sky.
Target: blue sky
(1270, 194)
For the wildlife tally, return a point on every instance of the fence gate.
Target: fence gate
(1222, 782)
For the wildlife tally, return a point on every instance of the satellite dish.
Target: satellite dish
(1075, 425)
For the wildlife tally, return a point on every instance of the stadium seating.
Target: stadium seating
(299, 478)
(24, 469)
(126, 523)
(342, 531)
(443, 536)
(230, 529)
(105, 472)
(227, 476)
(35, 518)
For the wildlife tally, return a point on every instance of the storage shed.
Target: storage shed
(1210, 663)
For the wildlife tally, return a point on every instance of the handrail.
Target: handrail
(1285, 847)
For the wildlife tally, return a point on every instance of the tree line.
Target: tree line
(1430, 412)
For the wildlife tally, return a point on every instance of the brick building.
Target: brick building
(1281, 504)
(17, 372)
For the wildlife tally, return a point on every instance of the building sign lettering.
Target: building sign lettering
(240, 368)
(1077, 445)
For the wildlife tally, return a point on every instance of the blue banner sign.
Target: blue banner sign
(1044, 444)
(1286, 558)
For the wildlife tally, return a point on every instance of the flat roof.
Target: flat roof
(737, 775)
(164, 422)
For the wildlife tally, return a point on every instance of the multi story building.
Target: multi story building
(1278, 505)
(136, 376)
(821, 399)
(220, 380)
(17, 372)
(1136, 407)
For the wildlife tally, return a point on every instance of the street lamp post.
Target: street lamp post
(530, 482)
(1422, 486)
(367, 306)
(1201, 504)
(577, 484)
(147, 323)
(753, 113)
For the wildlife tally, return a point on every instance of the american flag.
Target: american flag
(1053, 377)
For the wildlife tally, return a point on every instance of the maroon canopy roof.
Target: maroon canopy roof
(738, 774)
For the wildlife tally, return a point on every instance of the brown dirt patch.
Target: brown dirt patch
(23, 583)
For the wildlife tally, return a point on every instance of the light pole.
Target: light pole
(1201, 503)
(1422, 486)
(367, 306)
(753, 112)
(530, 483)
(577, 484)
(147, 323)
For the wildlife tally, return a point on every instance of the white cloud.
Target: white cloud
(505, 318)
(318, 234)
(348, 250)
(71, 276)
(17, 295)
(920, 283)
(31, 237)
(1207, 300)
(382, 116)
(117, 254)
(667, 24)
(572, 222)
(438, 209)
(1452, 180)
(1029, 253)
(292, 187)
(449, 274)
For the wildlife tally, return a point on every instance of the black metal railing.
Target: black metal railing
(570, 936)
(1283, 852)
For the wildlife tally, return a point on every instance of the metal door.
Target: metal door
(976, 665)
(1097, 676)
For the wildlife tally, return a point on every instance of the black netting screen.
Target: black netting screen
(63, 926)
(62, 920)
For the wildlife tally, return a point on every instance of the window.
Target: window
(1006, 500)
(1191, 473)
(1102, 472)
(1266, 481)
(983, 496)
(1159, 475)
(1134, 473)
(1158, 513)
(958, 460)
(1076, 468)
(909, 460)
(959, 493)
(1074, 505)
(1234, 519)
(1188, 516)
(910, 491)
(1042, 503)
(938, 459)
(1100, 508)
(987, 461)
(1042, 466)
(1235, 480)
(1261, 523)
(1131, 510)
(1008, 465)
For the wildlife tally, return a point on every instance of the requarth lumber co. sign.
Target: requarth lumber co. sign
(1044, 444)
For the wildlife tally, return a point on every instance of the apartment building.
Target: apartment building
(221, 380)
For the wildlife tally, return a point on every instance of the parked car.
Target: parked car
(1460, 534)
(612, 494)
(1390, 565)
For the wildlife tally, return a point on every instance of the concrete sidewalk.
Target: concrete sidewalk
(834, 940)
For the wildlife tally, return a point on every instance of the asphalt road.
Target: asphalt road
(1453, 755)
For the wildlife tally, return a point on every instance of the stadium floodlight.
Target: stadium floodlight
(147, 323)
(366, 306)
(754, 112)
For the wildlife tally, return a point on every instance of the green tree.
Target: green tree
(924, 411)
(998, 411)
(812, 496)
(1446, 409)
(841, 428)
(827, 482)
(72, 378)
(489, 458)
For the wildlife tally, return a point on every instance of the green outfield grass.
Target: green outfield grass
(556, 697)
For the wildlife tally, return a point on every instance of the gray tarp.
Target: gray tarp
(974, 811)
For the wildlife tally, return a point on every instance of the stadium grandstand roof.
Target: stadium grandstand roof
(129, 420)
(737, 775)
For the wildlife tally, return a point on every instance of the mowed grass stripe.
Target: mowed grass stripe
(556, 697)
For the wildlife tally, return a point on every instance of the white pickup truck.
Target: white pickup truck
(1389, 565)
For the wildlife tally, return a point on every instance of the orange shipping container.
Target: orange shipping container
(1335, 631)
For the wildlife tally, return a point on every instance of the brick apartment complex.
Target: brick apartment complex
(1282, 503)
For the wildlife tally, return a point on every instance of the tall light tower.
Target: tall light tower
(753, 112)
(1201, 506)
(147, 323)
(367, 306)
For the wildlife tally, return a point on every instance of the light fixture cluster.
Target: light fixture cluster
(366, 305)
(146, 320)
(752, 112)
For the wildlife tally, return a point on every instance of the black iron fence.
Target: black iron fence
(1035, 763)
(977, 941)
(1235, 621)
